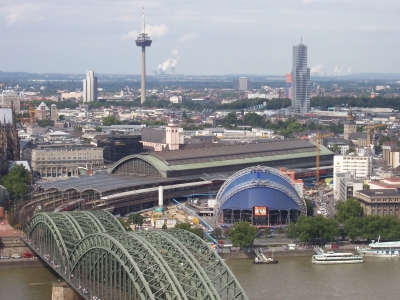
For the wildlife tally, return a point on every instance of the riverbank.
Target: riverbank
(279, 252)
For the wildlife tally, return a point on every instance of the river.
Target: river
(292, 278)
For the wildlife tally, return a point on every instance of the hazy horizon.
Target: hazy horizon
(207, 38)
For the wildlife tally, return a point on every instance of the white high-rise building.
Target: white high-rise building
(243, 84)
(90, 87)
(300, 80)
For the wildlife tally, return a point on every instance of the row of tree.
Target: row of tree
(349, 221)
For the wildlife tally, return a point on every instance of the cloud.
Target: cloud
(167, 66)
(318, 70)
(348, 70)
(156, 30)
(131, 35)
(373, 28)
(153, 31)
(22, 14)
(174, 52)
(188, 37)
(337, 69)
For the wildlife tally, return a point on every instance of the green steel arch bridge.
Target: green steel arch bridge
(93, 253)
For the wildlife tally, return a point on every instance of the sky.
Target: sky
(200, 37)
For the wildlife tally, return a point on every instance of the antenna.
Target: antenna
(143, 27)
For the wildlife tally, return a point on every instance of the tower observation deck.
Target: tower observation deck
(143, 40)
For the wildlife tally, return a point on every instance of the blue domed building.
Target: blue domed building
(261, 195)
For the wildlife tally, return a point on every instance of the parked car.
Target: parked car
(221, 242)
(4, 257)
(16, 256)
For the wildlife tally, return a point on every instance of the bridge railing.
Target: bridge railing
(209, 230)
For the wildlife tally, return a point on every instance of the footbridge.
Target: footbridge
(92, 252)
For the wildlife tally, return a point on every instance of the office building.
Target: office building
(90, 87)
(379, 202)
(356, 165)
(117, 146)
(63, 159)
(11, 99)
(300, 80)
(243, 84)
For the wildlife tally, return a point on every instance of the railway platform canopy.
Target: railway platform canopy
(222, 159)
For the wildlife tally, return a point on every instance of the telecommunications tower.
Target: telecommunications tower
(143, 40)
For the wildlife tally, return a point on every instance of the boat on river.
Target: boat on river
(268, 261)
(378, 249)
(261, 259)
(333, 258)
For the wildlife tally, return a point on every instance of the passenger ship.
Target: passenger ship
(385, 249)
(331, 258)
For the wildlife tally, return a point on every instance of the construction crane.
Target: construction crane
(317, 140)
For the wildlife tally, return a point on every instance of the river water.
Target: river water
(292, 278)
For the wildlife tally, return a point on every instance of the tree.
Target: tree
(254, 120)
(267, 231)
(317, 229)
(227, 232)
(136, 219)
(186, 226)
(111, 120)
(217, 232)
(230, 120)
(310, 208)
(347, 210)
(125, 224)
(311, 125)
(353, 228)
(164, 226)
(292, 231)
(335, 149)
(16, 181)
(243, 234)
(295, 127)
(98, 129)
(280, 231)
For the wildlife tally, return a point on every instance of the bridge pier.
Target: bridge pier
(62, 291)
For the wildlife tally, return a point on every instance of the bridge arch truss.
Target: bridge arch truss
(92, 250)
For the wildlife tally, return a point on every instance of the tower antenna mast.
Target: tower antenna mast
(143, 40)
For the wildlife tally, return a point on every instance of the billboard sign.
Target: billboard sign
(260, 211)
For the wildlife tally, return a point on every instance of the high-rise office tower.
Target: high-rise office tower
(143, 40)
(242, 84)
(300, 80)
(90, 87)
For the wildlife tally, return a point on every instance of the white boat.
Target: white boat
(331, 258)
(377, 249)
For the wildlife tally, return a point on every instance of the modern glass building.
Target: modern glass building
(300, 80)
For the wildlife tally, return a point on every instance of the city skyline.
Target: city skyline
(204, 38)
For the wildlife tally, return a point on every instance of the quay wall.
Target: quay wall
(12, 245)
(16, 263)
(279, 253)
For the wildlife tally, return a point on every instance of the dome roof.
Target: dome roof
(259, 186)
